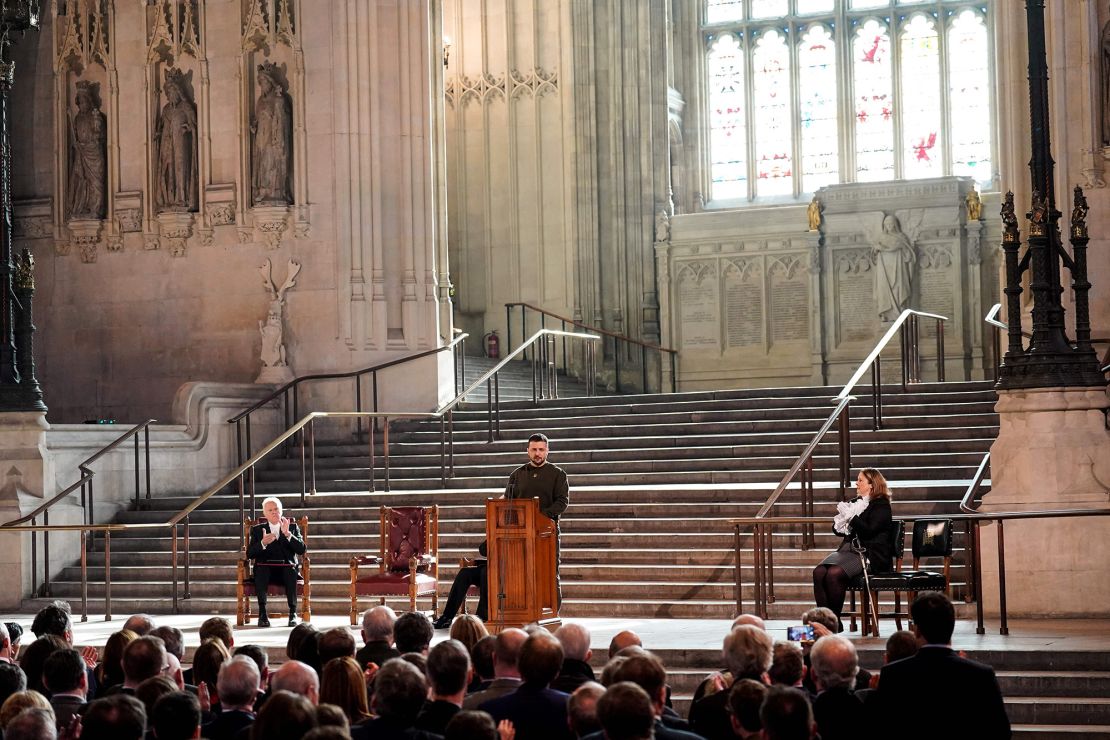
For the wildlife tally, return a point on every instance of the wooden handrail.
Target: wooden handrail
(587, 327)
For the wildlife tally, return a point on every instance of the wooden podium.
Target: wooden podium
(521, 550)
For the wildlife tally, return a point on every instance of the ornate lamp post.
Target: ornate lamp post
(19, 390)
(1051, 359)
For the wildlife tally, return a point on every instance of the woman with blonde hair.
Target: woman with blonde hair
(19, 701)
(468, 629)
(206, 666)
(864, 523)
(110, 671)
(344, 685)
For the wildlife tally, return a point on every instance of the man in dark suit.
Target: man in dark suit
(275, 547)
(837, 710)
(377, 632)
(399, 693)
(448, 672)
(536, 711)
(64, 676)
(237, 686)
(954, 693)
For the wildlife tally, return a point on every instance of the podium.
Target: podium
(521, 550)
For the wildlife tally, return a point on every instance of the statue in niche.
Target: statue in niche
(88, 139)
(275, 367)
(894, 259)
(974, 206)
(272, 149)
(175, 140)
(813, 214)
(662, 226)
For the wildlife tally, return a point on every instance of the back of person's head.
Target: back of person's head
(744, 700)
(610, 670)
(308, 651)
(481, 656)
(20, 701)
(217, 628)
(35, 656)
(338, 642)
(110, 670)
(419, 661)
(377, 624)
(834, 662)
(332, 715)
(471, 724)
(63, 671)
(5, 640)
(140, 624)
(823, 616)
(541, 658)
(12, 679)
(296, 637)
(786, 715)
(468, 629)
(176, 716)
(626, 713)
(448, 667)
(901, 644)
(934, 617)
(150, 690)
(256, 653)
(284, 716)
(237, 682)
(582, 709)
(647, 672)
(15, 633)
(343, 685)
(116, 717)
(207, 661)
(32, 724)
(327, 732)
(412, 632)
(507, 653)
(747, 652)
(575, 639)
(787, 663)
(751, 619)
(172, 638)
(399, 690)
(143, 658)
(296, 678)
(52, 619)
(622, 640)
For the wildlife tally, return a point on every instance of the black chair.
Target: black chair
(870, 584)
(932, 538)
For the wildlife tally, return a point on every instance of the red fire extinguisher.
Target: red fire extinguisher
(493, 345)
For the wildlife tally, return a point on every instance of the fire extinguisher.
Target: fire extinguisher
(493, 345)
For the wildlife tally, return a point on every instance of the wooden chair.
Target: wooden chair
(245, 591)
(407, 563)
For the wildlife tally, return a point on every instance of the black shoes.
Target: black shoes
(443, 622)
(263, 620)
(294, 620)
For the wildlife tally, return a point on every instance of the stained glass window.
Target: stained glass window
(770, 8)
(773, 119)
(728, 134)
(922, 153)
(719, 11)
(969, 97)
(874, 102)
(817, 98)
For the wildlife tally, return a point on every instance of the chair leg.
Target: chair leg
(852, 623)
(898, 609)
(875, 613)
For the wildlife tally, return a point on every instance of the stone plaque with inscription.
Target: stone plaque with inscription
(699, 309)
(744, 305)
(856, 314)
(789, 298)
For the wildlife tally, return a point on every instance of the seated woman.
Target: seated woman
(866, 518)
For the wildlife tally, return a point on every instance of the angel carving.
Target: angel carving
(273, 328)
(894, 256)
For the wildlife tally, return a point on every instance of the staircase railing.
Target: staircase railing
(291, 411)
(244, 476)
(618, 340)
(88, 517)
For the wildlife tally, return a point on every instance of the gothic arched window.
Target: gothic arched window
(807, 93)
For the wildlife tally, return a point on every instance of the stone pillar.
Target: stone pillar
(26, 473)
(1051, 453)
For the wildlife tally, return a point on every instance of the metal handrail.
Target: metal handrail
(566, 320)
(1000, 326)
(243, 431)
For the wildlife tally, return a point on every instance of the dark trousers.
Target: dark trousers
(286, 575)
(464, 579)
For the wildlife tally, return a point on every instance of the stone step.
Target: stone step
(1057, 710)
(1054, 683)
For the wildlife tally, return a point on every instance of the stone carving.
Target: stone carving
(151, 242)
(272, 148)
(1079, 214)
(813, 214)
(88, 141)
(221, 214)
(85, 234)
(1009, 219)
(275, 368)
(662, 226)
(62, 247)
(175, 141)
(894, 259)
(272, 223)
(130, 220)
(974, 206)
(25, 270)
(32, 227)
(175, 228)
(115, 243)
(1038, 215)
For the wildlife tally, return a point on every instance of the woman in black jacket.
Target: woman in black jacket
(872, 528)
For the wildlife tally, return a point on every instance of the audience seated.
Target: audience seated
(262, 662)
(413, 633)
(143, 658)
(582, 709)
(118, 717)
(217, 628)
(12, 680)
(6, 652)
(837, 710)
(901, 644)
(621, 640)
(470, 724)
(308, 651)
(297, 635)
(344, 686)
(32, 724)
(296, 678)
(286, 716)
(140, 624)
(34, 658)
(330, 715)
(722, 679)
(747, 654)
(958, 692)
(744, 701)
(399, 693)
(468, 629)
(506, 669)
(536, 711)
(576, 670)
(172, 639)
(18, 702)
(377, 634)
(625, 712)
(448, 674)
(15, 634)
(206, 666)
(327, 732)
(788, 666)
(109, 672)
(825, 622)
(152, 689)
(176, 716)
(647, 672)
(65, 678)
(786, 715)
(237, 686)
(338, 642)
(481, 660)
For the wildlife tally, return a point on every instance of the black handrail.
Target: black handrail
(616, 337)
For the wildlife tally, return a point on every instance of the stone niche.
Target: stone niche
(754, 298)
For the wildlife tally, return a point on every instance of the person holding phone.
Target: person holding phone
(866, 518)
(275, 547)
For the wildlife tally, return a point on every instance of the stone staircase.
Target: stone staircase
(515, 380)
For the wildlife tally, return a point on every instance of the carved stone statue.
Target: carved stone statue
(88, 138)
(273, 349)
(272, 148)
(175, 140)
(894, 260)
(275, 367)
(662, 226)
(813, 214)
(974, 206)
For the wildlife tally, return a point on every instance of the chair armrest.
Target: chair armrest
(366, 559)
(467, 562)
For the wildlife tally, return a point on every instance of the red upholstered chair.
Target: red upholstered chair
(245, 590)
(408, 559)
